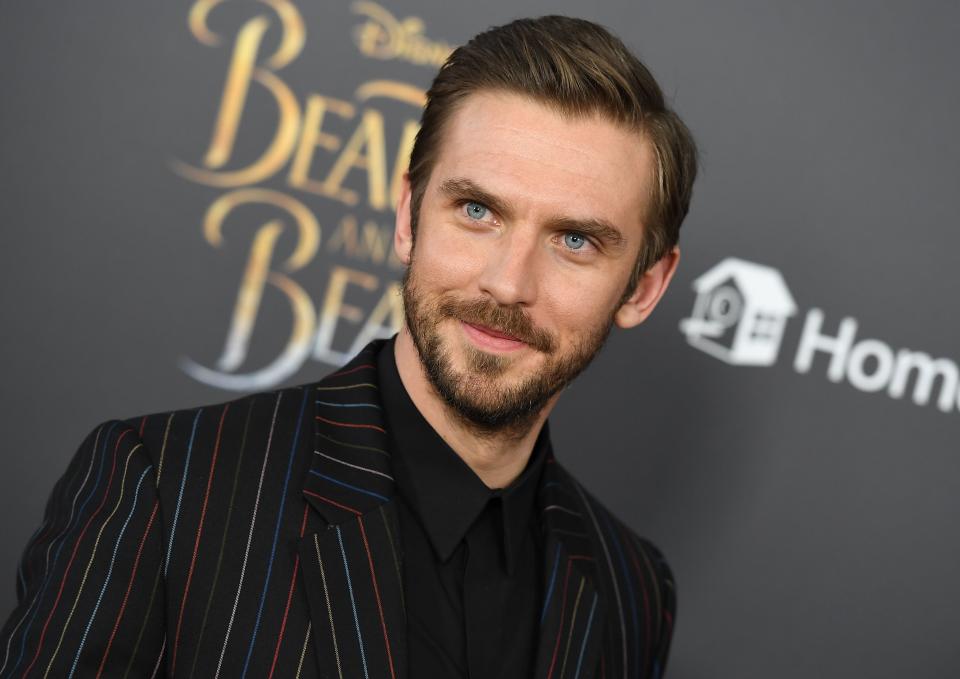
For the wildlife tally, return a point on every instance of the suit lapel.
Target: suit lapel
(352, 570)
(572, 610)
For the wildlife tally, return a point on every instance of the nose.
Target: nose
(510, 273)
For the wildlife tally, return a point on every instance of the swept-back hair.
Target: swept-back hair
(579, 69)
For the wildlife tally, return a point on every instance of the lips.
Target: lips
(494, 333)
(488, 339)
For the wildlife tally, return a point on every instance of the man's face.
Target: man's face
(527, 234)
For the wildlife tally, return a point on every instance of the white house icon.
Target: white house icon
(740, 312)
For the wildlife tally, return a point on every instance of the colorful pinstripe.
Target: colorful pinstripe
(250, 539)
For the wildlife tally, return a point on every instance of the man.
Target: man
(405, 516)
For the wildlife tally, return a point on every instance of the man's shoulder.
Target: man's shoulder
(634, 581)
(626, 554)
(182, 431)
(265, 420)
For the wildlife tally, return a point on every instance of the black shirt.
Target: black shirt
(471, 554)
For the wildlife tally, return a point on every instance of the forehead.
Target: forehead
(543, 161)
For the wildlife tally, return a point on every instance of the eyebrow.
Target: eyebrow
(458, 189)
(602, 230)
(462, 189)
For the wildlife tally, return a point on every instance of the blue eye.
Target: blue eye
(574, 240)
(475, 210)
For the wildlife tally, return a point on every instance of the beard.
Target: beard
(480, 396)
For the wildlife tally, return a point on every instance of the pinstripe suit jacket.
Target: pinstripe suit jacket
(258, 538)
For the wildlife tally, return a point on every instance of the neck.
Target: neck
(497, 458)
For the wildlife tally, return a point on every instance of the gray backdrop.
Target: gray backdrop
(808, 510)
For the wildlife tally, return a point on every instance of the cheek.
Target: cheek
(447, 261)
(580, 303)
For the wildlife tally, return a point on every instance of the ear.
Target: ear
(650, 288)
(403, 234)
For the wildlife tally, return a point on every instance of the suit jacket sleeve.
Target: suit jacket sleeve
(90, 580)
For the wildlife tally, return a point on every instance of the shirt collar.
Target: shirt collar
(445, 494)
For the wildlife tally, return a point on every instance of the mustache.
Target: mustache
(508, 319)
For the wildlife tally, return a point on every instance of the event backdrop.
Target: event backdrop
(197, 200)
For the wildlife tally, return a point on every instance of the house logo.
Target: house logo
(740, 313)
